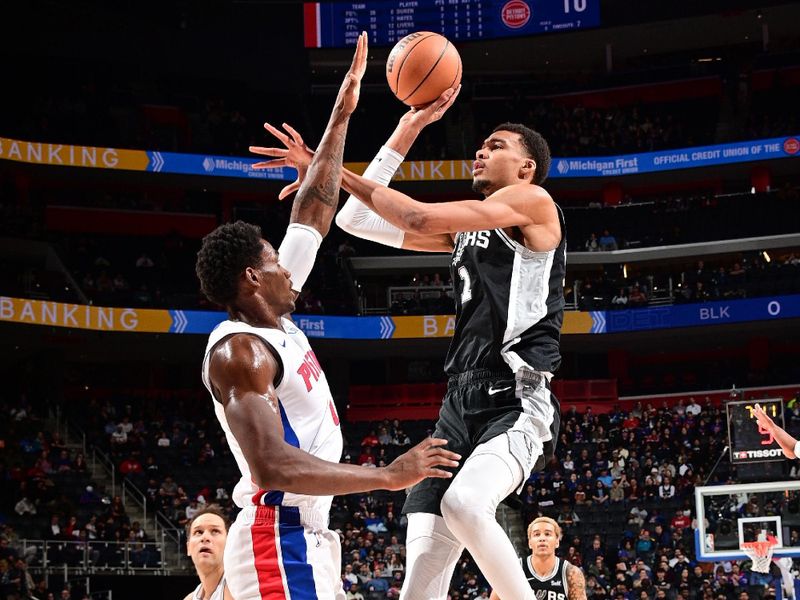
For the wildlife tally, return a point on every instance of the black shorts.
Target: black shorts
(480, 405)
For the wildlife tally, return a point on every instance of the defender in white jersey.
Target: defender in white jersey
(508, 264)
(550, 577)
(272, 398)
(206, 535)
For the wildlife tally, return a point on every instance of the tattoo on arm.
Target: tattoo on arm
(318, 196)
(576, 583)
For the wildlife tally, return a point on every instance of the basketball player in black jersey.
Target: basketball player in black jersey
(550, 577)
(508, 265)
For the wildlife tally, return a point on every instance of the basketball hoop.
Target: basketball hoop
(760, 553)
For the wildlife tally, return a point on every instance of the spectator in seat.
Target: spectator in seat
(616, 494)
(370, 440)
(169, 488)
(89, 497)
(119, 437)
(131, 465)
(594, 551)
(348, 577)
(599, 569)
(53, 530)
(25, 507)
(63, 463)
(637, 297)
(680, 521)
(666, 490)
(607, 241)
(354, 593)
(600, 495)
(377, 583)
(401, 439)
(700, 293)
(693, 408)
(363, 574)
(79, 465)
(366, 457)
(144, 261)
(192, 510)
(645, 545)
(163, 440)
(620, 299)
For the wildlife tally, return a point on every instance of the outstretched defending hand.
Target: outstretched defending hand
(421, 462)
(763, 419)
(296, 154)
(787, 443)
(347, 100)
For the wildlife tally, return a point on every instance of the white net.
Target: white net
(761, 555)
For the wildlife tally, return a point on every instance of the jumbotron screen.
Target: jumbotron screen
(337, 24)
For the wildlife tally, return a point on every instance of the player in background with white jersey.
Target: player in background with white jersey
(272, 398)
(206, 534)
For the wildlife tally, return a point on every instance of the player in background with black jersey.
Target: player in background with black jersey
(551, 577)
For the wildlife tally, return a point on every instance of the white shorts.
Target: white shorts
(273, 554)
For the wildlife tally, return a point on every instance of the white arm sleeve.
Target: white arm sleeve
(298, 252)
(797, 449)
(357, 219)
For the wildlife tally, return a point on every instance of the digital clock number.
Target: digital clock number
(574, 5)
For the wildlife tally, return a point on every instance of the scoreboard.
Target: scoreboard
(748, 442)
(337, 24)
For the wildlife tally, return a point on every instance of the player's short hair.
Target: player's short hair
(549, 521)
(224, 254)
(535, 145)
(211, 509)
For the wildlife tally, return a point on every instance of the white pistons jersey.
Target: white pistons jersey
(217, 594)
(306, 408)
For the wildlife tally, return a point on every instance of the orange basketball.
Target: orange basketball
(421, 66)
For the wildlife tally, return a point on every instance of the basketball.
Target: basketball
(421, 66)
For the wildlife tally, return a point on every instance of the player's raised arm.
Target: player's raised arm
(318, 194)
(243, 371)
(356, 217)
(523, 205)
(788, 444)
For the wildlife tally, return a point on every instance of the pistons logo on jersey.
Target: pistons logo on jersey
(470, 238)
(309, 370)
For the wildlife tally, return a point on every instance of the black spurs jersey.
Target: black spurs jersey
(509, 303)
(552, 587)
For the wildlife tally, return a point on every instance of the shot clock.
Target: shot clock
(748, 442)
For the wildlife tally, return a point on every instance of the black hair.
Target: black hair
(535, 145)
(211, 509)
(224, 254)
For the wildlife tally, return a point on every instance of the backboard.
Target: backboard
(728, 515)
